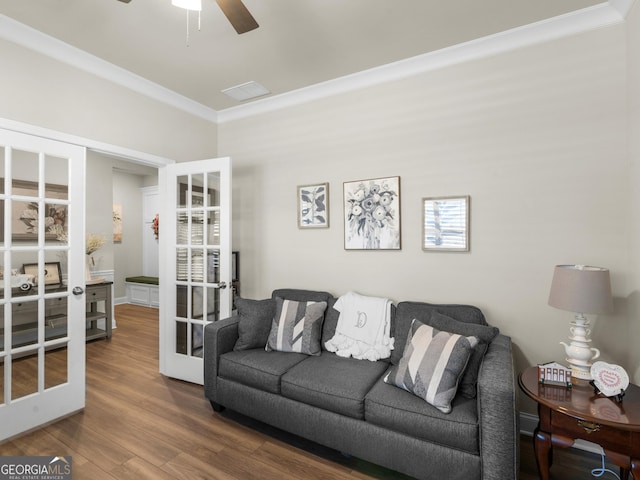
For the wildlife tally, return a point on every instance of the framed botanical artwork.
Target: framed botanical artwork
(24, 214)
(117, 223)
(445, 224)
(372, 214)
(313, 206)
(52, 272)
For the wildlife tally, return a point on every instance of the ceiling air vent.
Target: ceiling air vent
(246, 91)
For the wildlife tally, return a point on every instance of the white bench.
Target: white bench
(143, 290)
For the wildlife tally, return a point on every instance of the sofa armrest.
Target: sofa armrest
(499, 435)
(219, 337)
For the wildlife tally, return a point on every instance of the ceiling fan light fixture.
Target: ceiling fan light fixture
(195, 5)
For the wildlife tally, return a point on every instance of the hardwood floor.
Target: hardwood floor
(140, 425)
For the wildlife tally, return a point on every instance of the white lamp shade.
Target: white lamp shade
(581, 289)
(195, 5)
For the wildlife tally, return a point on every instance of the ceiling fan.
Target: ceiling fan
(237, 14)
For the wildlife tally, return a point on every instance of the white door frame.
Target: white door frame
(187, 365)
(130, 155)
(45, 403)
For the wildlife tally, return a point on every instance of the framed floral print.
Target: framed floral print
(372, 214)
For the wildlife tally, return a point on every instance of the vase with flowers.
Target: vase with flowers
(93, 243)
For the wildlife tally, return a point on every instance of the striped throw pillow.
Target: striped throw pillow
(297, 327)
(432, 364)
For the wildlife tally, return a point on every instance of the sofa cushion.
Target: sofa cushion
(332, 383)
(407, 311)
(330, 315)
(484, 333)
(330, 324)
(432, 364)
(297, 327)
(258, 368)
(393, 408)
(254, 324)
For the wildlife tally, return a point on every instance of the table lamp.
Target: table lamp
(581, 289)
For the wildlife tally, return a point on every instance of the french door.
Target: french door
(195, 265)
(42, 308)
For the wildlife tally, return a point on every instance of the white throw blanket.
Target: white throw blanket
(363, 330)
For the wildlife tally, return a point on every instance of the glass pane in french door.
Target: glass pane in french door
(34, 257)
(24, 375)
(197, 259)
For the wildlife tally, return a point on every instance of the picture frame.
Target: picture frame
(313, 205)
(372, 214)
(52, 272)
(445, 223)
(24, 214)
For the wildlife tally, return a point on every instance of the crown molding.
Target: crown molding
(605, 14)
(622, 6)
(572, 23)
(35, 40)
(103, 148)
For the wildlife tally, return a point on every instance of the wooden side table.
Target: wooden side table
(566, 415)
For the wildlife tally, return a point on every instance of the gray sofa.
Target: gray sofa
(344, 403)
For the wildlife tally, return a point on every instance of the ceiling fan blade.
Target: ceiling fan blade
(125, 1)
(238, 15)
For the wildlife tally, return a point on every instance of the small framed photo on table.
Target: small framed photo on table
(52, 272)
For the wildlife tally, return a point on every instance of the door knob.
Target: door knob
(77, 290)
(222, 285)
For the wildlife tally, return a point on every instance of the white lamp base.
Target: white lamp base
(579, 353)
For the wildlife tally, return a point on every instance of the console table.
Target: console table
(99, 307)
(568, 414)
(95, 295)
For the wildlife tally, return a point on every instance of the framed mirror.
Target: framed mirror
(445, 224)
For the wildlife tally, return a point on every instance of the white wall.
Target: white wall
(99, 206)
(43, 92)
(536, 137)
(633, 290)
(128, 253)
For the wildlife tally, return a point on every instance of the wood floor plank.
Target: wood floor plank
(138, 469)
(91, 471)
(190, 467)
(39, 441)
(278, 458)
(75, 433)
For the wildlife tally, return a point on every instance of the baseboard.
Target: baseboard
(529, 422)
(120, 300)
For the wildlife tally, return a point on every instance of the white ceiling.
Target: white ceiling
(299, 42)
